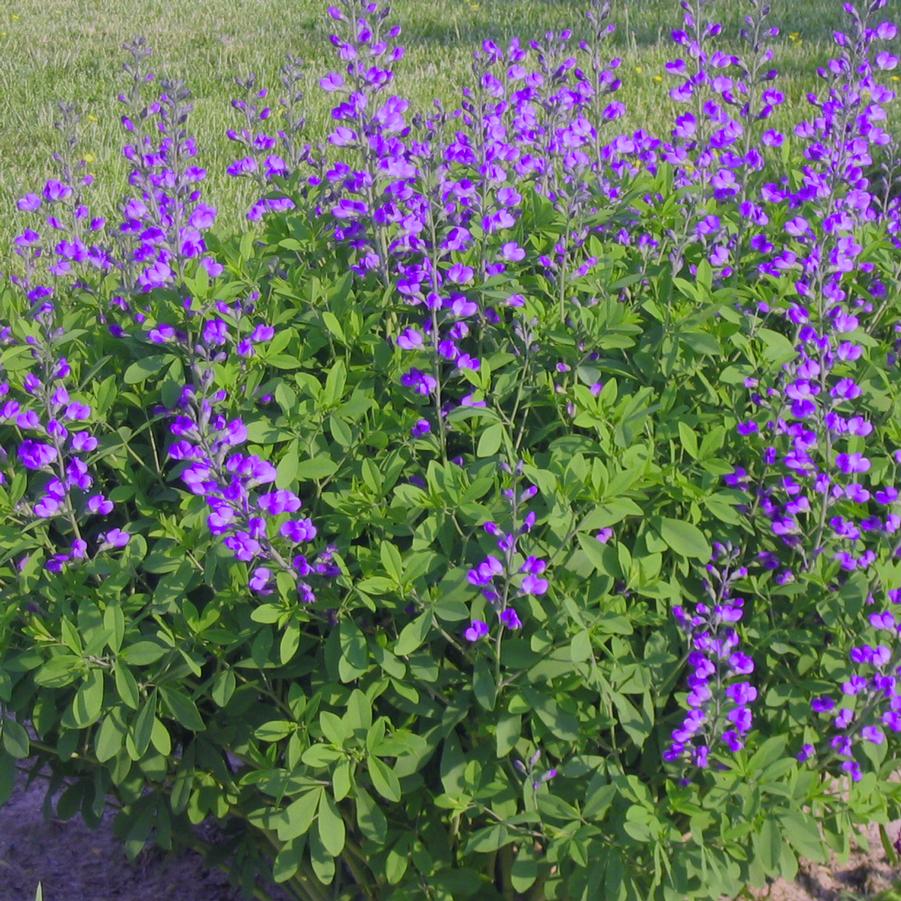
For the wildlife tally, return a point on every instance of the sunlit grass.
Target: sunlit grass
(53, 50)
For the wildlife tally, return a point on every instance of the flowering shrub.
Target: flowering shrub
(510, 511)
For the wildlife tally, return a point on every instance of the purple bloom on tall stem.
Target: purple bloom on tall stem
(719, 710)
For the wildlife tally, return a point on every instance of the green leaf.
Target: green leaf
(274, 730)
(609, 514)
(144, 368)
(334, 383)
(333, 728)
(297, 817)
(637, 723)
(398, 859)
(143, 727)
(15, 740)
(562, 725)
(483, 684)
(768, 844)
(223, 687)
(321, 755)
(320, 467)
(143, 653)
(182, 708)
(767, 754)
(392, 561)
(323, 863)
(580, 647)
(160, 738)
(109, 737)
(114, 623)
(353, 645)
(58, 671)
(524, 871)
(801, 830)
(489, 839)
(684, 538)
(333, 324)
(598, 802)
(413, 634)
(88, 700)
(777, 348)
(602, 557)
(507, 733)
(689, 440)
(370, 818)
(126, 686)
(342, 780)
(289, 643)
(384, 780)
(330, 825)
(490, 440)
(359, 710)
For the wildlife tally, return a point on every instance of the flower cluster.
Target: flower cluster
(257, 522)
(70, 244)
(819, 493)
(271, 157)
(720, 697)
(370, 126)
(53, 443)
(164, 220)
(499, 576)
(873, 696)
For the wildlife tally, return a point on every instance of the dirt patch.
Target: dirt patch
(76, 863)
(864, 875)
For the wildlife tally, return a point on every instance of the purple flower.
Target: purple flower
(476, 631)
(56, 190)
(822, 705)
(298, 530)
(509, 618)
(409, 339)
(807, 751)
(334, 81)
(114, 538)
(242, 546)
(259, 580)
(100, 505)
(281, 501)
(532, 584)
(30, 203)
(852, 463)
(35, 455)
(419, 381)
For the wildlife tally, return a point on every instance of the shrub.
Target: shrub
(508, 512)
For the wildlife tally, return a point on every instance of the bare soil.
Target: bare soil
(76, 863)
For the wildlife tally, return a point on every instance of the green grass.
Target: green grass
(52, 50)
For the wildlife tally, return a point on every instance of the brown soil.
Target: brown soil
(864, 875)
(76, 863)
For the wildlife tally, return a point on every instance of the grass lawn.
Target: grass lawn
(53, 50)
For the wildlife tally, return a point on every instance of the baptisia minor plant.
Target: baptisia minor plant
(505, 506)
